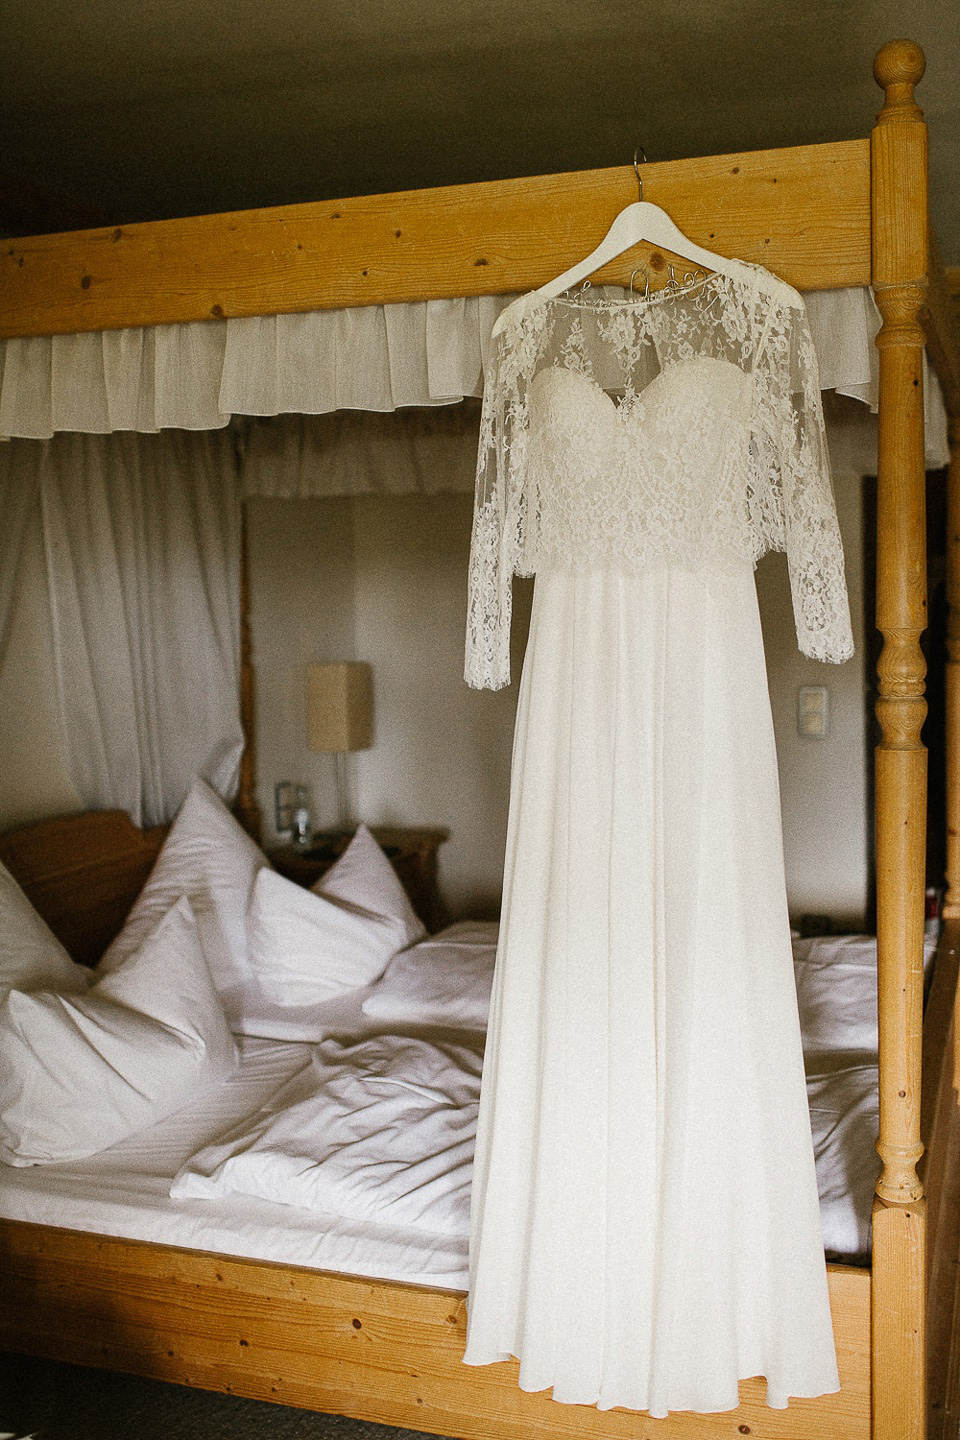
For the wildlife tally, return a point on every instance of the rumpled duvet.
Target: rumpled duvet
(377, 1129)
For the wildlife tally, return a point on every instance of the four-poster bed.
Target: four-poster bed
(821, 217)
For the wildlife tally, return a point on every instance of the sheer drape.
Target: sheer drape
(374, 358)
(20, 470)
(141, 536)
(141, 530)
(421, 452)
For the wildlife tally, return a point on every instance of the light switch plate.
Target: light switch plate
(813, 711)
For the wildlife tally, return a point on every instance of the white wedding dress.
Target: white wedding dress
(645, 1226)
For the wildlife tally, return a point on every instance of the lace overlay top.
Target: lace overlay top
(681, 430)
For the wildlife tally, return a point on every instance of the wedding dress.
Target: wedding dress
(645, 1225)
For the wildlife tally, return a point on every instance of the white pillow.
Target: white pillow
(31, 956)
(211, 860)
(364, 878)
(80, 1072)
(445, 980)
(305, 948)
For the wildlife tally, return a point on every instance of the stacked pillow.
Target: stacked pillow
(836, 979)
(88, 1059)
(307, 946)
(216, 942)
(211, 860)
(444, 982)
(80, 1070)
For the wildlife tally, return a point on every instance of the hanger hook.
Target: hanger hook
(636, 168)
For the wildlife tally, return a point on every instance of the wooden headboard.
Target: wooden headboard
(82, 873)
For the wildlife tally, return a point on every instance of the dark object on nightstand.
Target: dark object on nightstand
(411, 852)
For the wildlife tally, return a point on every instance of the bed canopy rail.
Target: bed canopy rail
(484, 239)
(822, 217)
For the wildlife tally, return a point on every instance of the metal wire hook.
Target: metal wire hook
(636, 168)
(646, 289)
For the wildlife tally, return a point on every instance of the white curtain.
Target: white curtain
(20, 470)
(421, 452)
(375, 358)
(141, 530)
(142, 539)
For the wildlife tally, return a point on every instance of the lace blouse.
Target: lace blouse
(682, 430)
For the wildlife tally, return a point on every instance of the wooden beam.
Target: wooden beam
(487, 239)
(369, 1349)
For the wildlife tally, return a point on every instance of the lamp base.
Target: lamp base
(343, 807)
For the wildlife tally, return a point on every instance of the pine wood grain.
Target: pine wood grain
(802, 212)
(82, 874)
(899, 1391)
(376, 1351)
(900, 249)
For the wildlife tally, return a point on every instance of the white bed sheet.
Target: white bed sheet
(844, 1113)
(125, 1191)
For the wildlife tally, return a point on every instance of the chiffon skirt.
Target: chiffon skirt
(645, 1224)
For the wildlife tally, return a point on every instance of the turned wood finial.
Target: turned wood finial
(898, 67)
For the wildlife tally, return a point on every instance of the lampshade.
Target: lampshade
(339, 707)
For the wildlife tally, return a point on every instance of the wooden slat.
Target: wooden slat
(898, 1352)
(376, 1351)
(802, 212)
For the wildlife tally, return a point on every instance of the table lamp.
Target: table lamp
(340, 716)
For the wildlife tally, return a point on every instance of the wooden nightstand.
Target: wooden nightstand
(411, 852)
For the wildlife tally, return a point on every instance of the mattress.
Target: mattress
(125, 1191)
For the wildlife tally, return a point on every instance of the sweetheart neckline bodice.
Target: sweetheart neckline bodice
(639, 401)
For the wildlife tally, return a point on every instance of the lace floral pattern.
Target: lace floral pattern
(683, 430)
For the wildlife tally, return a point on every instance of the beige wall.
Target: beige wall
(822, 782)
(383, 580)
(442, 751)
(302, 609)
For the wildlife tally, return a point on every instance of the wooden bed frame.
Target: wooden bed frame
(820, 216)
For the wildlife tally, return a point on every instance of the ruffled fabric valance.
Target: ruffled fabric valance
(377, 358)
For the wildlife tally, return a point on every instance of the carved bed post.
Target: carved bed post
(951, 904)
(247, 809)
(899, 263)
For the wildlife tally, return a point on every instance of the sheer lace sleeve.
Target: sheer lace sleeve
(791, 474)
(502, 515)
(643, 449)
